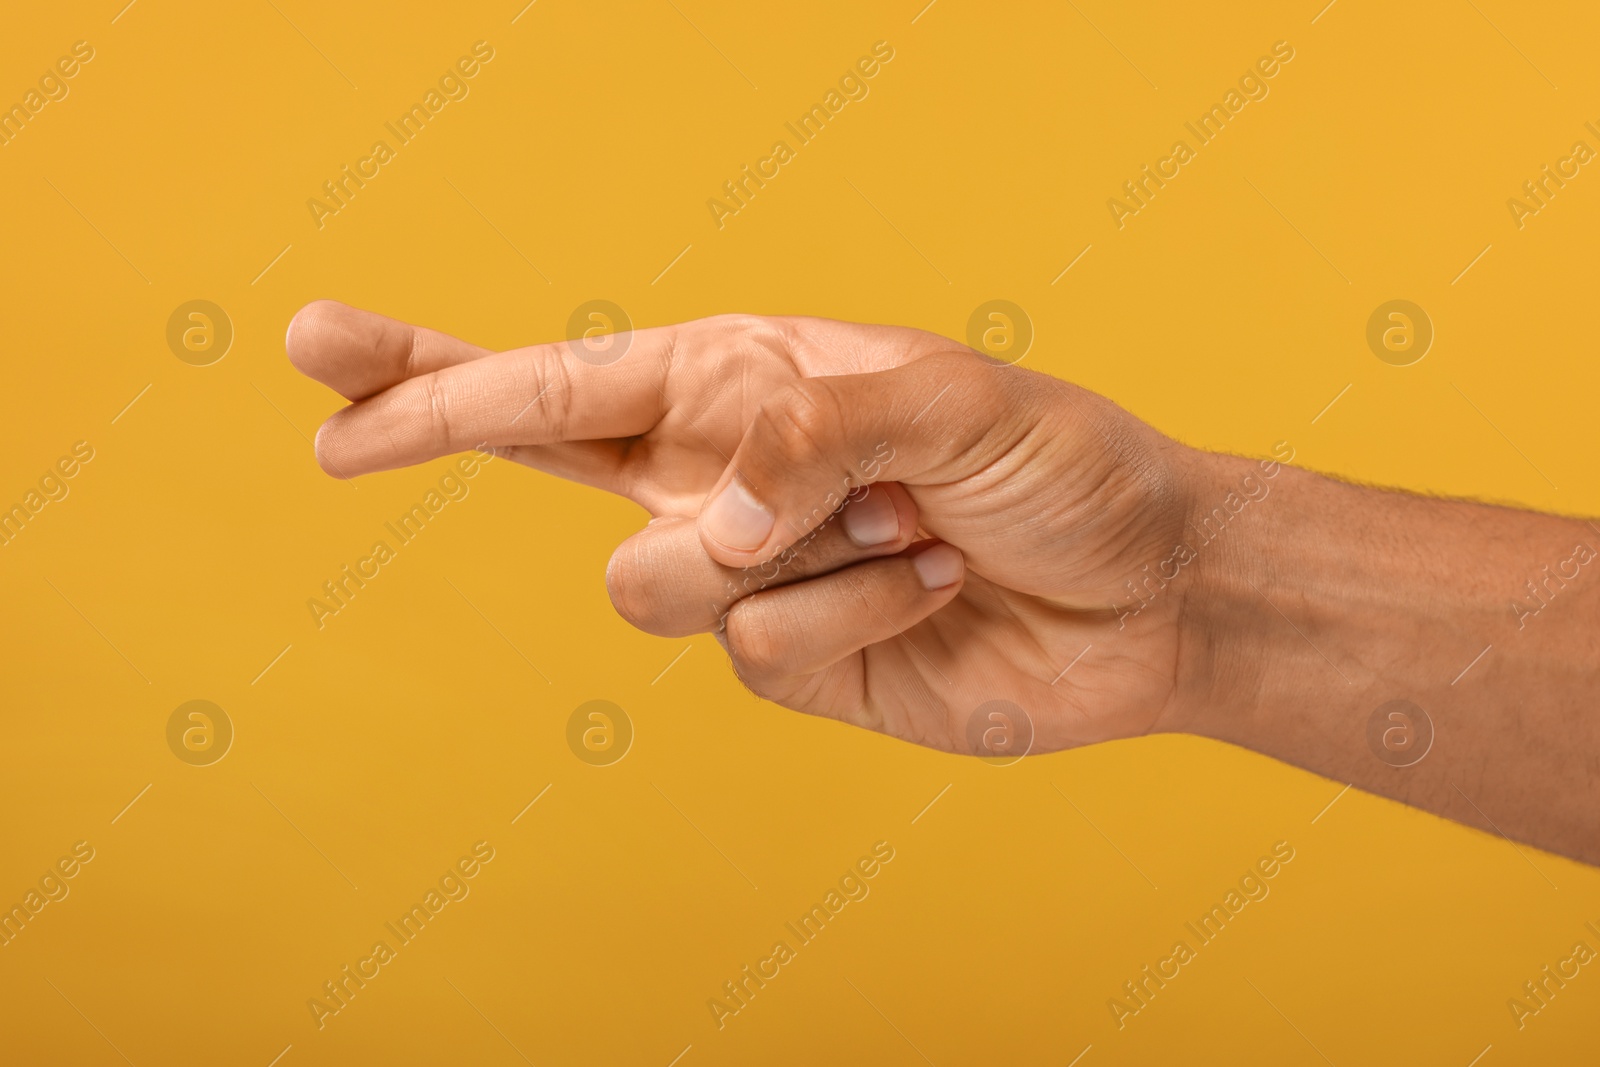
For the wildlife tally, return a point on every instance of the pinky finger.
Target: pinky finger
(806, 627)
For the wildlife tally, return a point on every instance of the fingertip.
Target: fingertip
(734, 524)
(323, 446)
(299, 337)
(872, 519)
(939, 566)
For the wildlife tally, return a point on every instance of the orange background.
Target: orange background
(370, 755)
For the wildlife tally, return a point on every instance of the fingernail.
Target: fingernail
(872, 519)
(737, 519)
(939, 566)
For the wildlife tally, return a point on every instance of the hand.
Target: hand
(991, 516)
(999, 527)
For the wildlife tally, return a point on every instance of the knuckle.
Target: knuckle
(800, 421)
(756, 646)
(742, 324)
(654, 586)
(770, 337)
(412, 343)
(628, 585)
(975, 379)
(546, 410)
(438, 408)
(554, 379)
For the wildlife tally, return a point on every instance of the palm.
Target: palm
(993, 643)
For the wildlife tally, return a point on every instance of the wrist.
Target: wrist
(1336, 628)
(1224, 650)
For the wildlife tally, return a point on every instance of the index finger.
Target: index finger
(542, 394)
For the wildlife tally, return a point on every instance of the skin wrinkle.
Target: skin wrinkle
(669, 360)
(560, 383)
(1125, 536)
(1139, 459)
(911, 688)
(1169, 717)
(1037, 680)
(438, 406)
(993, 470)
(1000, 476)
(791, 418)
(411, 351)
(1008, 652)
(1081, 517)
(748, 630)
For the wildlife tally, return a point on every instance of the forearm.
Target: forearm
(1321, 602)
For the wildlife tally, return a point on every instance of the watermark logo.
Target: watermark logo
(53, 485)
(1399, 333)
(1541, 989)
(1551, 584)
(1253, 886)
(51, 87)
(999, 732)
(1139, 191)
(1400, 733)
(452, 887)
(339, 592)
(599, 332)
(599, 733)
(738, 192)
(199, 333)
(852, 887)
(51, 887)
(199, 733)
(1542, 189)
(454, 84)
(1000, 330)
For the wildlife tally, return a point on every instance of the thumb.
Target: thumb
(934, 420)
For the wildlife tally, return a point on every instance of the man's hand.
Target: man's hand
(880, 525)
(883, 527)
